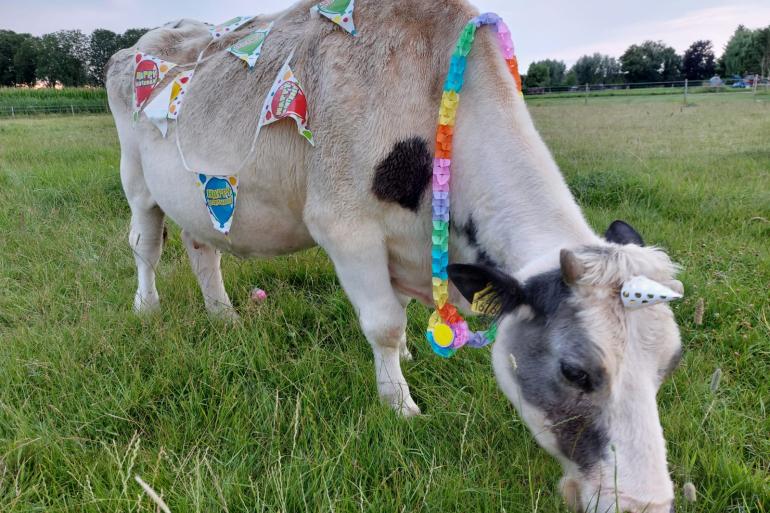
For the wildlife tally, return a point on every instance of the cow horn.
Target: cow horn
(641, 291)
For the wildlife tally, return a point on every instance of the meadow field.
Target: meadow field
(279, 413)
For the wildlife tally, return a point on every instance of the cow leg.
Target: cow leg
(205, 262)
(361, 262)
(146, 234)
(403, 349)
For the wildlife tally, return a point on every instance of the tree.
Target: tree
(131, 36)
(547, 73)
(596, 69)
(63, 57)
(102, 45)
(652, 61)
(538, 75)
(698, 62)
(9, 45)
(25, 61)
(748, 51)
(556, 72)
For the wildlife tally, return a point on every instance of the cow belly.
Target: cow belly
(267, 220)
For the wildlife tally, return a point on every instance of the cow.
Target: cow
(582, 370)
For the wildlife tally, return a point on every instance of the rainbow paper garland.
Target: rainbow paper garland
(447, 330)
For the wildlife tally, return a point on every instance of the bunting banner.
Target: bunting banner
(286, 100)
(249, 48)
(148, 73)
(219, 194)
(339, 11)
(157, 110)
(178, 92)
(229, 26)
(167, 104)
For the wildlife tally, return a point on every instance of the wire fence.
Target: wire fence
(12, 111)
(751, 85)
(754, 84)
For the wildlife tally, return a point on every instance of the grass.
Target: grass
(279, 413)
(34, 101)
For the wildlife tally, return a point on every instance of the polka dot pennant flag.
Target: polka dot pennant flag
(219, 194)
(167, 104)
(641, 291)
(229, 26)
(286, 100)
(149, 71)
(339, 11)
(249, 48)
(178, 93)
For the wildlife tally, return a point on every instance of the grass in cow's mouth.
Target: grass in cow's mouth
(279, 413)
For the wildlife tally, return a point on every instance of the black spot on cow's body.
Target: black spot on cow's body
(404, 174)
(470, 231)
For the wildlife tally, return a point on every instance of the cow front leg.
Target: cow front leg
(361, 262)
(403, 349)
(205, 262)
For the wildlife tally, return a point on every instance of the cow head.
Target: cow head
(583, 368)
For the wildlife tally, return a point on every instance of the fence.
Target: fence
(73, 109)
(754, 84)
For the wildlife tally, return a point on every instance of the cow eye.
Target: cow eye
(576, 376)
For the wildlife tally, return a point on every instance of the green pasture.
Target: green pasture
(279, 413)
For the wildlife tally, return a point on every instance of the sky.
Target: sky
(558, 29)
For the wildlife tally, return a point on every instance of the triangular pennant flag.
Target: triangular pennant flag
(339, 11)
(249, 48)
(286, 100)
(148, 73)
(219, 194)
(157, 110)
(178, 92)
(229, 26)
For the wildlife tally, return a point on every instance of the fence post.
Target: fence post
(686, 84)
(756, 81)
(586, 101)
(72, 109)
(13, 114)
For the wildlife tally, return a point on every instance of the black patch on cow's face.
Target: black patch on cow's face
(621, 232)
(404, 174)
(572, 403)
(545, 292)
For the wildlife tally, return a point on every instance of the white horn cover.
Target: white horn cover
(641, 291)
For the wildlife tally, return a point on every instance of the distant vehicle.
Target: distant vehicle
(741, 83)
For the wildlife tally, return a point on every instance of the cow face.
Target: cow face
(583, 370)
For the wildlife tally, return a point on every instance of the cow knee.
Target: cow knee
(384, 326)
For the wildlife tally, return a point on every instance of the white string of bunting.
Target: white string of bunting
(286, 99)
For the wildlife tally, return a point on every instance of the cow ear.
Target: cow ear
(621, 232)
(496, 292)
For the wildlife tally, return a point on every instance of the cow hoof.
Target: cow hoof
(404, 405)
(407, 408)
(225, 314)
(146, 304)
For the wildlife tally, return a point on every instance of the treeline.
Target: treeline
(68, 57)
(747, 51)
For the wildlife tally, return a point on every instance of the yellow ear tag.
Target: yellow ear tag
(442, 335)
(481, 301)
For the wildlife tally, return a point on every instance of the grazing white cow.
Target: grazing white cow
(582, 370)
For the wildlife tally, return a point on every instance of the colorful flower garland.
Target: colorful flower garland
(447, 330)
